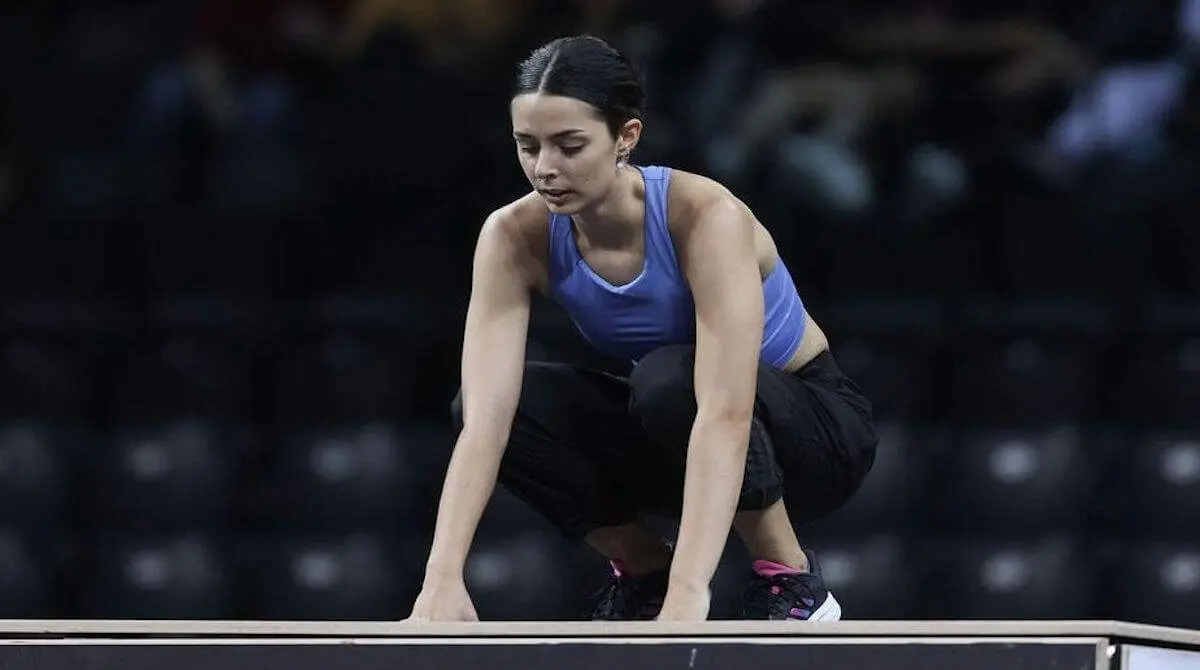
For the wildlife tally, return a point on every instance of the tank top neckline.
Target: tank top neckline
(647, 244)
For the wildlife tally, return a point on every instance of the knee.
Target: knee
(663, 378)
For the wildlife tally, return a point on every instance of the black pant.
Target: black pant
(589, 449)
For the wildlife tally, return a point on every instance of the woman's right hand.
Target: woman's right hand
(447, 601)
(493, 363)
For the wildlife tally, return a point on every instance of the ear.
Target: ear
(628, 137)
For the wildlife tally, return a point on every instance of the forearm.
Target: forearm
(716, 462)
(470, 481)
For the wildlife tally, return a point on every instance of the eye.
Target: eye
(571, 151)
(529, 150)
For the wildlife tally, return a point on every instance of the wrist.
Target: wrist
(686, 584)
(438, 573)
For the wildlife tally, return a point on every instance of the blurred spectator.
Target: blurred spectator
(240, 87)
(1123, 110)
(908, 95)
(421, 21)
(243, 74)
(782, 92)
(447, 32)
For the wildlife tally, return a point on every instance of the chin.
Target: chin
(571, 208)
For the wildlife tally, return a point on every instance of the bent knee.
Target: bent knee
(663, 376)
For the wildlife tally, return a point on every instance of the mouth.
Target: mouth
(555, 195)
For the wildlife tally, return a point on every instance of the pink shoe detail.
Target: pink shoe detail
(770, 569)
(618, 568)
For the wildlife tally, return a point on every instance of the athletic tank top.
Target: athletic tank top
(655, 309)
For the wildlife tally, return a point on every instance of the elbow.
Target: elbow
(736, 413)
(722, 434)
(726, 415)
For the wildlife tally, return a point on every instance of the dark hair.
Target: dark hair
(588, 69)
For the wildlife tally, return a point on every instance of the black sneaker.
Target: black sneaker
(795, 596)
(627, 598)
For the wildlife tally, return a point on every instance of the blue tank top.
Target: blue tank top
(656, 309)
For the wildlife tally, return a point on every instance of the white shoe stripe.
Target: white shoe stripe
(830, 610)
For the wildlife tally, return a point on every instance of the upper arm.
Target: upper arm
(721, 265)
(497, 324)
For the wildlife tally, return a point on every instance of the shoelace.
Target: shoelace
(608, 603)
(777, 596)
(617, 600)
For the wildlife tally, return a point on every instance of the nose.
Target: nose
(546, 168)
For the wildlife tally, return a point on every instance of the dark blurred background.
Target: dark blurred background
(235, 242)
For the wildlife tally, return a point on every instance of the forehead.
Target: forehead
(539, 114)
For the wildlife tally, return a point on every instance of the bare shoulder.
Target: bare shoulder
(519, 230)
(693, 197)
(524, 217)
(701, 208)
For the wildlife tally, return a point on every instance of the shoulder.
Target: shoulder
(522, 221)
(518, 231)
(696, 201)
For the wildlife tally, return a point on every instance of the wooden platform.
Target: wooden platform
(740, 645)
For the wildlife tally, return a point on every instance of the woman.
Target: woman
(735, 413)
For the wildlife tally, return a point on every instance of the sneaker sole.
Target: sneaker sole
(830, 610)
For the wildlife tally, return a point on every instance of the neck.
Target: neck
(615, 222)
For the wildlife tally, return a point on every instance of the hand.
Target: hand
(685, 604)
(448, 601)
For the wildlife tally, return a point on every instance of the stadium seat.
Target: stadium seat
(1031, 362)
(1049, 578)
(181, 375)
(47, 378)
(1162, 381)
(410, 328)
(1154, 583)
(157, 577)
(1018, 481)
(888, 260)
(873, 577)
(36, 472)
(520, 568)
(63, 258)
(203, 250)
(888, 348)
(893, 495)
(427, 449)
(401, 258)
(1038, 232)
(28, 588)
(1177, 242)
(343, 478)
(351, 577)
(341, 377)
(171, 476)
(260, 179)
(524, 576)
(1157, 475)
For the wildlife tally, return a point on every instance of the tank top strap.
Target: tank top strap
(659, 245)
(564, 255)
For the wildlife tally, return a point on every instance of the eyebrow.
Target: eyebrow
(559, 135)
